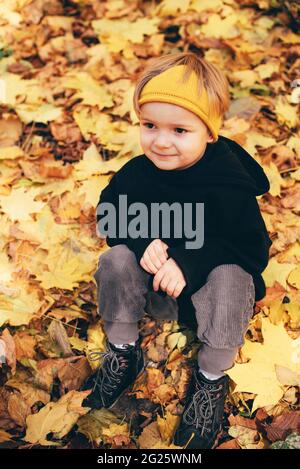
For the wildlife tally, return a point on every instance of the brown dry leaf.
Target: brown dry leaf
(154, 379)
(281, 425)
(58, 334)
(149, 436)
(74, 373)
(158, 391)
(175, 358)
(67, 314)
(242, 421)
(157, 353)
(181, 376)
(18, 408)
(163, 394)
(24, 344)
(157, 350)
(29, 393)
(10, 130)
(6, 422)
(140, 391)
(71, 371)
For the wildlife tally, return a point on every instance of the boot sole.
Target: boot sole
(127, 389)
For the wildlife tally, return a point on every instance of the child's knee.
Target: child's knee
(116, 259)
(230, 284)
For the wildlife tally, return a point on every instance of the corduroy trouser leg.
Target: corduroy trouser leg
(223, 306)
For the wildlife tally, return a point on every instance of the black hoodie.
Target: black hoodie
(227, 180)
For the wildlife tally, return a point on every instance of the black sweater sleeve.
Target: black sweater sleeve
(111, 194)
(237, 235)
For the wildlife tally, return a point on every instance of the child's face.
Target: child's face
(171, 136)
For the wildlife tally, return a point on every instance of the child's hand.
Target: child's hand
(169, 278)
(154, 256)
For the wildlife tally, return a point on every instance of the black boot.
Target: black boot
(201, 420)
(119, 369)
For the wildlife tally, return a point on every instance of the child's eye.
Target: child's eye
(177, 128)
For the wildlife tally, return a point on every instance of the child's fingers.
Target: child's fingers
(149, 263)
(144, 266)
(156, 256)
(171, 287)
(178, 289)
(157, 279)
(165, 247)
(161, 251)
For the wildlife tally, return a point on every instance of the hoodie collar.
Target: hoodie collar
(224, 163)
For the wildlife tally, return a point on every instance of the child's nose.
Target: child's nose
(162, 140)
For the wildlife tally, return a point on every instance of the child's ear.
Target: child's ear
(210, 137)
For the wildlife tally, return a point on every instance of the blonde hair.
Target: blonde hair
(210, 77)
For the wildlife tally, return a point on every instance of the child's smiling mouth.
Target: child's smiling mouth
(163, 156)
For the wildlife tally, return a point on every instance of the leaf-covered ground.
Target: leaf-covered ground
(67, 74)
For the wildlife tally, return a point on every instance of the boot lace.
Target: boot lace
(201, 409)
(112, 368)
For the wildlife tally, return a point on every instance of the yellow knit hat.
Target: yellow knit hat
(168, 87)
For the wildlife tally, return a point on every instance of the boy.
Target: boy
(180, 100)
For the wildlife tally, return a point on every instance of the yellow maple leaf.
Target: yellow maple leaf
(245, 77)
(67, 265)
(91, 188)
(116, 429)
(89, 90)
(294, 278)
(220, 28)
(286, 113)
(267, 70)
(275, 178)
(18, 304)
(167, 426)
(15, 86)
(171, 7)
(92, 163)
(201, 5)
(6, 269)
(176, 339)
(10, 153)
(43, 113)
(277, 271)
(121, 31)
(20, 203)
(56, 417)
(259, 376)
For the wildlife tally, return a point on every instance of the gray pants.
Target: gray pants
(223, 306)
